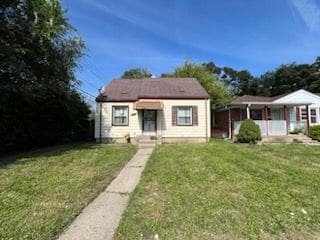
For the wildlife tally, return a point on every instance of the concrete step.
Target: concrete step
(292, 138)
(314, 144)
(147, 145)
(146, 141)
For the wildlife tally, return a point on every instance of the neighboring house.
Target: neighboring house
(166, 109)
(276, 116)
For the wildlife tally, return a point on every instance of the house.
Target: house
(166, 109)
(276, 116)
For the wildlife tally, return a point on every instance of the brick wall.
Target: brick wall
(221, 127)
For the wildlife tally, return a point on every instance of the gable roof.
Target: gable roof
(152, 88)
(245, 99)
(301, 96)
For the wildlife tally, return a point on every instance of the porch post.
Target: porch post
(308, 120)
(248, 111)
(230, 124)
(266, 117)
(285, 113)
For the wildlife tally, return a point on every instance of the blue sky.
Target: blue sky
(257, 35)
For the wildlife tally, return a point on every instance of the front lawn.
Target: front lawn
(222, 190)
(42, 192)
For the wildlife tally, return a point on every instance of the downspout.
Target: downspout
(230, 124)
(100, 121)
(206, 103)
(101, 90)
(248, 111)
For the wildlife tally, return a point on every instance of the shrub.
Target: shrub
(315, 132)
(249, 132)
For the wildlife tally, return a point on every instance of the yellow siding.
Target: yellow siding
(109, 131)
(164, 120)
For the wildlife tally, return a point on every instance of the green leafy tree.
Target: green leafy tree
(291, 77)
(137, 73)
(241, 82)
(217, 90)
(39, 103)
(213, 68)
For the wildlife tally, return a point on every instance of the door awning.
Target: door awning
(152, 105)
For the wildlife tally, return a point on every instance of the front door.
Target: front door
(149, 122)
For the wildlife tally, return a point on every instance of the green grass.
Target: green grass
(43, 191)
(223, 190)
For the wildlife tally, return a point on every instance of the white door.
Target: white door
(149, 122)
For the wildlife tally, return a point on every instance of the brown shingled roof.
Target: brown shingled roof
(153, 88)
(250, 98)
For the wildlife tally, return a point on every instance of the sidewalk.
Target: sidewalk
(101, 217)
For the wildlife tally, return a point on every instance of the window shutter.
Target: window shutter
(194, 115)
(174, 116)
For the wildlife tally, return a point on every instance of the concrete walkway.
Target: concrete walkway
(101, 217)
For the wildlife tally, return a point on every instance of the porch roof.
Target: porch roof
(259, 102)
(258, 105)
(152, 105)
(267, 104)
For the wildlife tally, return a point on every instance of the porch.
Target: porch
(150, 117)
(272, 119)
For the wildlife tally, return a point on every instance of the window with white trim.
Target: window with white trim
(184, 115)
(120, 115)
(303, 114)
(313, 115)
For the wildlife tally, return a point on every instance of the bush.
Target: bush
(249, 132)
(315, 132)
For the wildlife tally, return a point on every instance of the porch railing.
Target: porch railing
(267, 128)
(298, 126)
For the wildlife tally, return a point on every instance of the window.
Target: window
(256, 114)
(274, 114)
(303, 114)
(120, 115)
(313, 115)
(184, 115)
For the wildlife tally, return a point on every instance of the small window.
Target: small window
(303, 114)
(120, 115)
(313, 115)
(184, 115)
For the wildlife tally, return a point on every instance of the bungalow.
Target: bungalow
(162, 109)
(276, 116)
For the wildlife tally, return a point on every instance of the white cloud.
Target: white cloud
(309, 11)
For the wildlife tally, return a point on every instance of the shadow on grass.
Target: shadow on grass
(52, 151)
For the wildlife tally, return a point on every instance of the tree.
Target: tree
(39, 103)
(213, 68)
(217, 90)
(136, 73)
(241, 82)
(291, 77)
